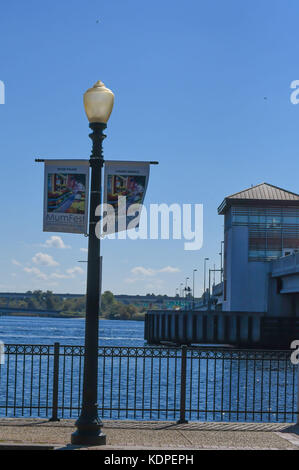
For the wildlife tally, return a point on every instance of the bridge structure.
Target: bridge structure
(257, 302)
(286, 271)
(35, 312)
(27, 295)
(282, 287)
(275, 328)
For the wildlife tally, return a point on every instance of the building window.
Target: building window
(270, 230)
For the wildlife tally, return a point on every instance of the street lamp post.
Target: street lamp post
(209, 299)
(194, 270)
(186, 290)
(98, 103)
(181, 289)
(211, 270)
(220, 254)
(221, 267)
(204, 279)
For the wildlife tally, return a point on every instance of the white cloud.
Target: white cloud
(140, 273)
(55, 242)
(76, 270)
(36, 272)
(130, 280)
(16, 263)
(169, 269)
(44, 260)
(143, 271)
(85, 250)
(59, 276)
(140, 270)
(69, 274)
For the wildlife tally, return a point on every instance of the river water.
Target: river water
(139, 383)
(70, 331)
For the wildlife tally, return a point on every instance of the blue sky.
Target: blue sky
(190, 81)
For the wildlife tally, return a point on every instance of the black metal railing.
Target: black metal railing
(151, 383)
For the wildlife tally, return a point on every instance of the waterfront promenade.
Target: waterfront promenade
(157, 435)
(233, 399)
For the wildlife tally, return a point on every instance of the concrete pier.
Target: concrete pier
(239, 329)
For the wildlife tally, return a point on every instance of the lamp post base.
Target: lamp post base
(182, 421)
(88, 439)
(89, 431)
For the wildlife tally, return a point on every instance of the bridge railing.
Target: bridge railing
(285, 265)
(151, 383)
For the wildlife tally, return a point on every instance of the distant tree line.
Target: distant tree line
(110, 307)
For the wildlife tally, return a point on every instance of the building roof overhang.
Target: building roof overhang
(261, 195)
(228, 203)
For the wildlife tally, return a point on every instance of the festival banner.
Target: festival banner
(125, 185)
(66, 189)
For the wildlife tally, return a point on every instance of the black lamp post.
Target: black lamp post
(186, 290)
(181, 289)
(98, 102)
(221, 263)
(193, 296)
(204, 279)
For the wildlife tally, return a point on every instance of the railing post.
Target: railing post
(182, 419)
(55, 383)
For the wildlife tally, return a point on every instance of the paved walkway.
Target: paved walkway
(133, 435)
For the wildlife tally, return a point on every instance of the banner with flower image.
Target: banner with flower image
(125, 185)
(66, 189)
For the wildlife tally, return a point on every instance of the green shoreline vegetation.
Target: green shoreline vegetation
(111, 309)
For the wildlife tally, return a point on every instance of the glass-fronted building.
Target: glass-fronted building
(261, 224)
(273, 231)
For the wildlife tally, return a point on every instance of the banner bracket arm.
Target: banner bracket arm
(42, 160)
